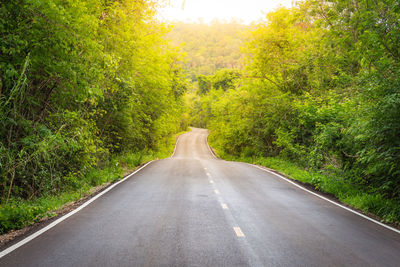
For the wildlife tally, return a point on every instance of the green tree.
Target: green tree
(80, 81)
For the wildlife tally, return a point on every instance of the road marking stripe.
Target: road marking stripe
(176, 145)
(216, 192)
(238, 232)
(311, 192)
(209, 148)
(224, 206)
(48, 227)
(324, 198)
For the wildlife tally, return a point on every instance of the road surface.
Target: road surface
(195, 210)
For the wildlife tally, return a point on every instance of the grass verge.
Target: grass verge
(330, 182)
(19, 213)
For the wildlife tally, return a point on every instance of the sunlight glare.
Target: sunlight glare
(246, 11)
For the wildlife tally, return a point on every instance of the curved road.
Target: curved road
(195, 210)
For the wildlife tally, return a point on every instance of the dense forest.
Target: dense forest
(85, 86)
(90, 89)
(318, 99)
(209, 47)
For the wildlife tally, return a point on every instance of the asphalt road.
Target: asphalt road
(195, 210)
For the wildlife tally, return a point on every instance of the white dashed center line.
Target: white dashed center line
(238, 231)
(224, 206)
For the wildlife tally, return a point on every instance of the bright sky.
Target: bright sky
(208, 10)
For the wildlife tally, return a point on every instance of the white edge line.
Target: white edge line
(209, 148)
(324, 198)
(176, 145)
(315, 194)
(51, 225)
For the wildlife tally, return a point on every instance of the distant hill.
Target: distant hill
(210, 47)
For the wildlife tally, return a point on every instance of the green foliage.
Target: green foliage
(321, 89)
(81, 82)
(204, 83)
(210, 47)
(223, 79)
(19, 213)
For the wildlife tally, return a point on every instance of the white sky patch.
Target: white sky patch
(206, 11)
